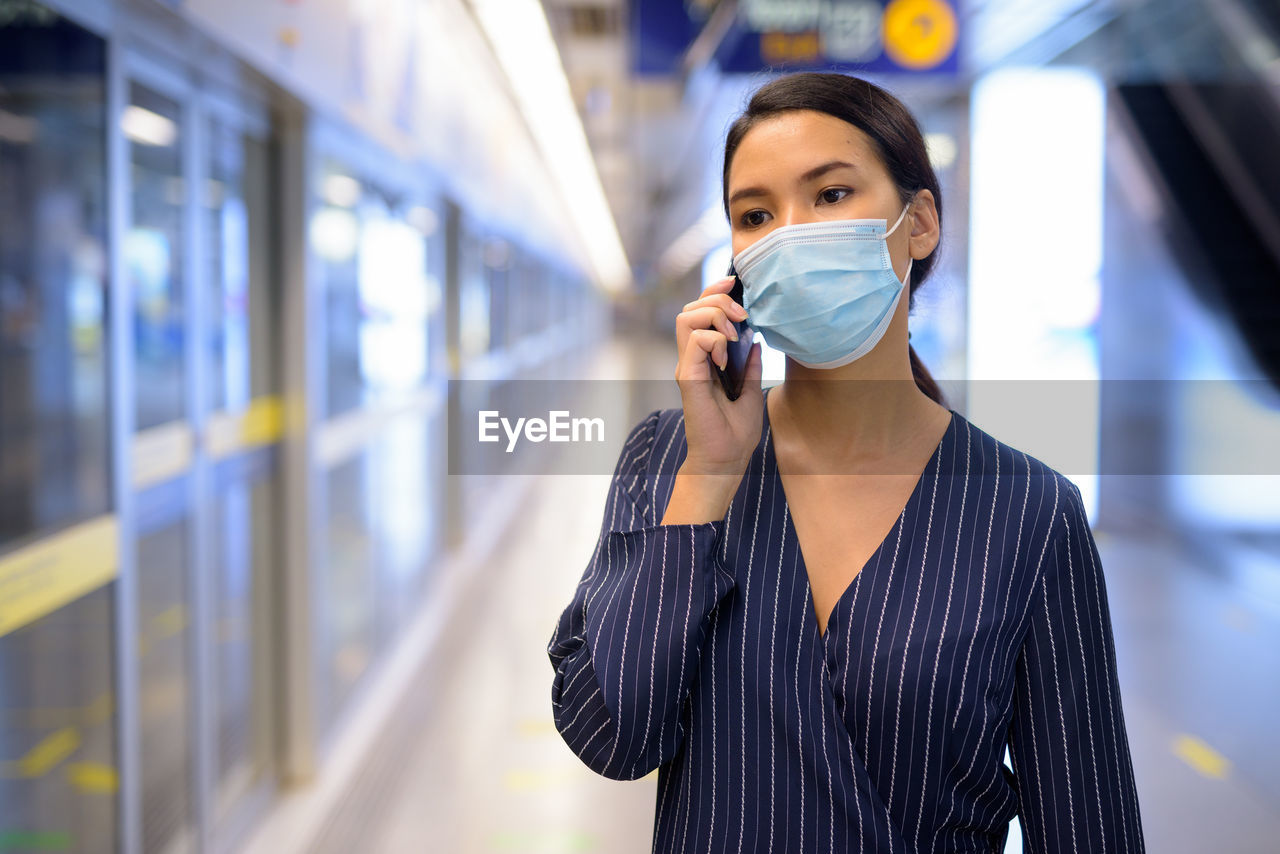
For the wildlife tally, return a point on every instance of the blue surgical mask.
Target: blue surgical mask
(822, 292)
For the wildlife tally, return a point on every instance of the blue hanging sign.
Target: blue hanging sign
(802, 35)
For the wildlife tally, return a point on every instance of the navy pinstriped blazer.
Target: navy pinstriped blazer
(981, 621)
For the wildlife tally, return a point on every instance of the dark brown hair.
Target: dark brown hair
(895, 138)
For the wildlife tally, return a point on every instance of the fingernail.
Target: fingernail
(733, 335)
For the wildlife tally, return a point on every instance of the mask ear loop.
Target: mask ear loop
(898, 221)
(906, 280)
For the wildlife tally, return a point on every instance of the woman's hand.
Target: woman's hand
(722, 434)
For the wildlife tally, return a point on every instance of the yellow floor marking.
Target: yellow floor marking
(524, 780)
(93, 777)
(537, 726)
(168, 622)
(1201, 757)
(51, 750)
(557, 841)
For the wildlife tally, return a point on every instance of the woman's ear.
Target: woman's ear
(924, 233)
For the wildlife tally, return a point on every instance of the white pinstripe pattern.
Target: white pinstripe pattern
(653, 655)
(1017, 611)
(924, 556)
(982, 593)
(746, 599)
(997, 739)
(1084, 668)
(773, 648)
(800, 715)
(826, 757)
(844, 692)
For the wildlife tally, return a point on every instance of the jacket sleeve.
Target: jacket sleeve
(626, 649)
(1068, 742)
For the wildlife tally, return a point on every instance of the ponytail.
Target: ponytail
(924, 380)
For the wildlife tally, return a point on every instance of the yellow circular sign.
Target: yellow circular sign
(919, 34)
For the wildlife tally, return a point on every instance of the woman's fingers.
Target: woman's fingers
(720, 433)
(707, 317)
(723, 301)
(692, 366)
(719, 286)
(708, 341)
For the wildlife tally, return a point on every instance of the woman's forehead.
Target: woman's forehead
(791, 143)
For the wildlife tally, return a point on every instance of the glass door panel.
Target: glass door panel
(164, 671)
(240, 331)
(154, 250)
(155, 254)
(58, 770)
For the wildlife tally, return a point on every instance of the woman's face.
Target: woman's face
(806, 166)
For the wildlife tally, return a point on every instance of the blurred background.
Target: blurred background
(262, 260)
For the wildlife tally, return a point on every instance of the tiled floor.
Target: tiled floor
(490, 772)
(484, 769)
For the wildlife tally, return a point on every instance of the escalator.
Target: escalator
(1214, 141)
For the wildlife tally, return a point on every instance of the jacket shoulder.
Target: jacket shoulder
(1044, 491)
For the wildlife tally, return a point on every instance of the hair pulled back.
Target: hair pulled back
(895, 138)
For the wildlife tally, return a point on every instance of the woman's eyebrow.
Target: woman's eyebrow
(819, 171)
(747, 192)
(812, 174)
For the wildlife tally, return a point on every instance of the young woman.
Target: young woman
(837, 663)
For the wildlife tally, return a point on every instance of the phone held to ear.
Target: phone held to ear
(735, 369)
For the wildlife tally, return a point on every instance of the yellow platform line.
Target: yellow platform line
(51, 750)
(1200, 756)
(168, 622)
(37, 580)
(93, 777)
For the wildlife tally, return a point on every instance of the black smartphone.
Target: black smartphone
(735, 369)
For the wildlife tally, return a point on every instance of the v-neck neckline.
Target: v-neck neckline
(791, 538)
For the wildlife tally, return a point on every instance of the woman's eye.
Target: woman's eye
(831, 195)
(751, 219)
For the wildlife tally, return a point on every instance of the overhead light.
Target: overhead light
(340, 190)
(521, 40)
(334, 234)
(144, 127)
(422, 218)
(941, 148)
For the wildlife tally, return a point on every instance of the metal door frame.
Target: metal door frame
(245, 113)
(129, 67)
(200, 101)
